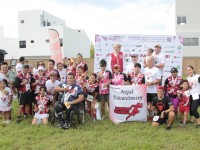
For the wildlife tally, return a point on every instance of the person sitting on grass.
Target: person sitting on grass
(41, 107)
(70, 96)
(184, 101)
(164, 107)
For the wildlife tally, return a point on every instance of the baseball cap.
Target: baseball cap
(137, 65)
(158, 46)
(134, 55)
(174, 70)
(116, 66)
(41, 68)
(160, 88)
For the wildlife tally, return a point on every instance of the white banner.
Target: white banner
(172, 47)
(128, 103)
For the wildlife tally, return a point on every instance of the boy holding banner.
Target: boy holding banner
(104, 78)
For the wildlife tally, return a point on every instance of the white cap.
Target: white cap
(40, 68)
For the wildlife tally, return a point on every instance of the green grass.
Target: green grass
(97, 135)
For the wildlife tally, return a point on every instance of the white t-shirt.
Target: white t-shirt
(63, 75)
(151, 75)
(195, 86)
(130, 68)
(18, 68)
(51, 85)
(159, 59)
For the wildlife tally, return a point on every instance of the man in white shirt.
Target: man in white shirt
(159, 60)
(19, 66)
(152, 79)
(130, 66)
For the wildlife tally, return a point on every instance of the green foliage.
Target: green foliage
(97, 135)
(91, 50)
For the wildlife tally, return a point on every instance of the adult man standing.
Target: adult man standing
(130, 66)
(159, 60)
(71, 95)
(152, 78)
(19, 66)
(50, 68)
(23, 84)
(165, 109)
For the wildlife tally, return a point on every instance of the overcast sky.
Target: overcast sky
(95, 16)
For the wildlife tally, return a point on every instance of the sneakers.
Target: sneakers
(198, 126)
(60, 124)
(66, 126)
(18, 120)
(168, 128)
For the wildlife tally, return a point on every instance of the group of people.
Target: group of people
(69, 84)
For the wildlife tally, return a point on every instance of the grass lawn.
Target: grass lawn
(97, 135)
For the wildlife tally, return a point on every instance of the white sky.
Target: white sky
(95, 16)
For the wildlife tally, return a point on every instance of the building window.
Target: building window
(47, 41)
(44, 23)
(32, 41)
(22, 21)
(22, 44)
(190, 42)
(48, 24)
(61, 42)
(181, 20)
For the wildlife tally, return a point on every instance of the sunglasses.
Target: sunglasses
(41, 70)
(52, 75)
(116, 68)
(103, 66)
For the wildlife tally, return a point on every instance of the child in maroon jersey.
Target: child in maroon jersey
(184, 98)
(41, 107)
(92, 89)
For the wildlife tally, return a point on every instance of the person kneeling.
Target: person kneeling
(69, 97)
(41, 107)
(164, 108)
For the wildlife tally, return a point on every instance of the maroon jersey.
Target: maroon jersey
(80, 81)
(185, 96)
(42, 80)
(136, 79)
(173, 84)
(23, 77)
(82, 65)
(42, 104)
(91, 88)
(70, 68)
(118, 79)
(47, 74)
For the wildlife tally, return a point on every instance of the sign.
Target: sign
(172, 48)
(128, 103)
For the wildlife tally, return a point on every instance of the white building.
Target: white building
(188, 25)
(34, 36)
(8, 44)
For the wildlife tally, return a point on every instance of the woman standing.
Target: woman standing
(194, 80)
(116, 57)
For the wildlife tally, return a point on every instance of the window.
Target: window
(181, 20)
(61, 42)
(47, 41)
(44, 23)
(48, 24)
(22, 44)
(190, 41)
(22, 21)
(32, 41)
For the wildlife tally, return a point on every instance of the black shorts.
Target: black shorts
(162, 120)
(104, 97)
(25, 98)
(150, 97)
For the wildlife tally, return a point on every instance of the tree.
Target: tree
(91, 50)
